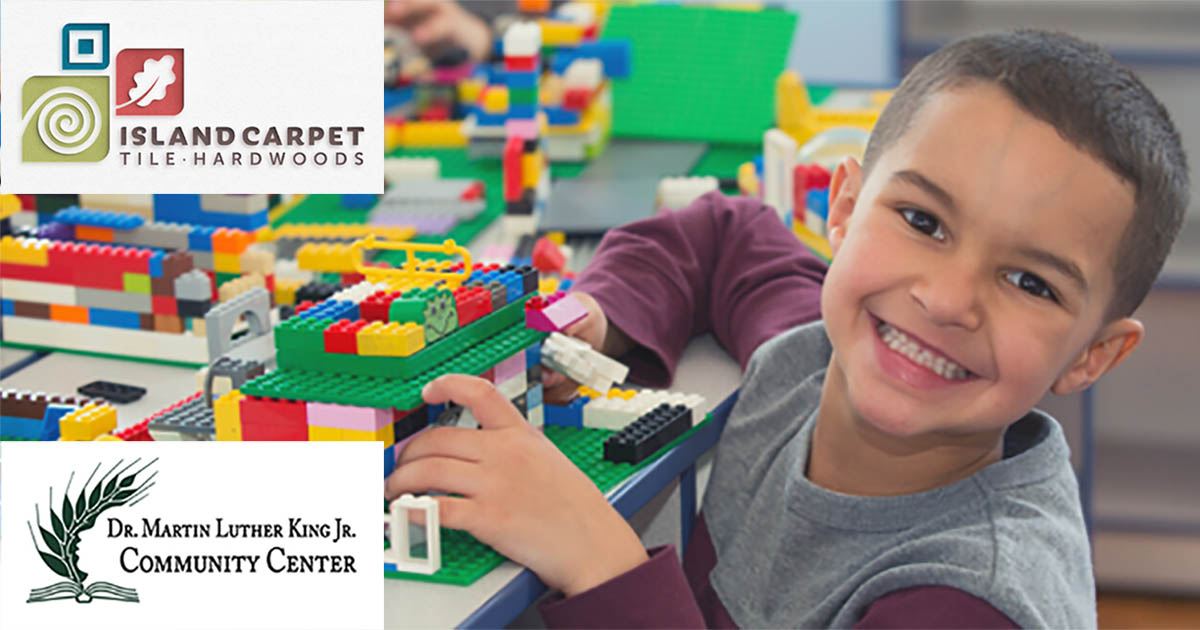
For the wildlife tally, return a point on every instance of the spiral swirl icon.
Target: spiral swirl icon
(65, 119)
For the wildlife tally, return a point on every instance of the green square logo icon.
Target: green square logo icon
(64, 119)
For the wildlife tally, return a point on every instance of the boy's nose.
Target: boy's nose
(949, 297)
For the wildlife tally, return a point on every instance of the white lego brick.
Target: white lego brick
(536, 416)
(678, 192)
(523, 39)
(514, 386)
(584, 73)
(142, 205)
(289, 269)
(779, 158)
(581, 363)
(577, 12)
(608, 413)
(237, 204)
(358, 292)
(40, 292)
(396, 523)
(410, 168)
(106, 340)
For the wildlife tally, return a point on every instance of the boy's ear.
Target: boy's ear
(843, 194)
(1114, 343)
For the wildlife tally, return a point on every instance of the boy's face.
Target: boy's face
(972, 269)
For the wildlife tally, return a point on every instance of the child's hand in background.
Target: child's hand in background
(519, 493)
(437, 25)
(596, 332)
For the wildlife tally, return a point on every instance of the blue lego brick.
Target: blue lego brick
(565, 284)
(333, 309)
(177, 208)
(156, 270)
(247, 222)
(389, 460)
(522, 111)
(561, 116)
(397, 97)
(489, 120)
(521, 80)
(514, 284)
(818, 201)
(568, 416)
(50, 420)
(521, 260)
(533, 355)
(24, 428)
(614, 54)
(200, 238)
(7, 307)
(358, 201)
(758, 166)
(435, 411)
(533, 397)
(115, 319)
(73, 215)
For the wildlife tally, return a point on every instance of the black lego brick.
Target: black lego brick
(644, 436)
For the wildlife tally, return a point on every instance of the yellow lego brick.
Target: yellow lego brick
(387, 435)
(393, 135)
(326, 434)
(584, 390)
(343, 231)
(87, 423)
(24, 251)
(285, 291)
(558, 238)
(495, 99)
(412, 339)
(531, 169)
(623, 394)
(238, 286)
(334, 257)
(227, 416)
(431, 134)
(470, 89)
(556, 33)
(391, 339)
(547, 286)
(264, 234)
(9, 205)
(226, 263)
(747, 179)
(108, 437)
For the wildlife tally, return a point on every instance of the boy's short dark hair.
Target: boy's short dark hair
(1095, 104)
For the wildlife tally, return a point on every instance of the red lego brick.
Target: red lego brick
(577, 99)
(139, 432)
(212, 284)
(303, 306)
(547, 257)
(163, 305)
(28, 202)
(352, 278)
(436, 112)
(342, 336)
(476, 190)
(375, 307)
(513, 150)
(472, 303)
(271, 419)
(270, 280)
(522, 64)
(394, 119)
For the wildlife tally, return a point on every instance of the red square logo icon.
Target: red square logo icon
(149, 82)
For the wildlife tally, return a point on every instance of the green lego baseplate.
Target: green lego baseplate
(699, 73)
(465, 559)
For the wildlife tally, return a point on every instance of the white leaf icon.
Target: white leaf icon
(151, 83)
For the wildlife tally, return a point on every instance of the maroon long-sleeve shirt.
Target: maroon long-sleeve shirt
(727, 266)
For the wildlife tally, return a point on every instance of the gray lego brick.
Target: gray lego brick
(410, 191)
(193, 285)
(203, 260)
(193, 419)
(255, 304)
(478, 148)
(617, 187)
(113, 300)
(389, 214)
(155, 234)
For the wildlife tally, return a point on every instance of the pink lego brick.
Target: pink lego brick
(524, 129)
(347, 417)
(554, 313)
(509, 368)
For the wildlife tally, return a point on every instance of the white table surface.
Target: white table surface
(9, 356)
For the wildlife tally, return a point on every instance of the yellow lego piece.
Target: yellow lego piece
(334, 257)
(623, 394)
(326, 434)
(393, 136)
(387, 435)
(584, 390)
(108, 437)
(226, 263)
(391, 339)
(796, 115)
(547, 286)
(556, 33)
(24, 251)
(257, 261)
(812, 240)
(340, 231)
(9, 205)
(747, 179)
(470, 89)
(495, 99)
(227, 416)
(531, 169)
(558, 238)
(431, 134)
(285, 291)
(87, 423)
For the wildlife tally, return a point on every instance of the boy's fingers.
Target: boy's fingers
(442, 474)
(454, 442)
(407, 12)
(490, 408)
(453, 512)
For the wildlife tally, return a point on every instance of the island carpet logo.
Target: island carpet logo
(123, 484)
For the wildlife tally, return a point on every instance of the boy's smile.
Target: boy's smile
(971, 274)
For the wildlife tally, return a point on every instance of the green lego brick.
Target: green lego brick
(407, 309)
(699, 73)
(723, 160)
(465, 559)
(522, 96)
(298, 348)
(136, 282)
(223, 277)
(53, 203)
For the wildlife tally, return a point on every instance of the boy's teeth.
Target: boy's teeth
(937, 364)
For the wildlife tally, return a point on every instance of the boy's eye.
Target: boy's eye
(1030, 284)
(924, 222)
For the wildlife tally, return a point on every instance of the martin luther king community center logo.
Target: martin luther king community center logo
(122, 484)
(65, 118)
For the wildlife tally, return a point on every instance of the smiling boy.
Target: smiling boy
(884, 466)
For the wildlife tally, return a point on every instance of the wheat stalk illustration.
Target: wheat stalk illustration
(62, 540)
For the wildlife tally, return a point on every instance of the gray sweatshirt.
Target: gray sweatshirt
(792, 554)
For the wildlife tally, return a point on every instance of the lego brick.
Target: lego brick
(87, 423)
(54, 203)
(115, 392)
(6, 306)
(510, 367)
(65, 313)
(136, 283)
(146, 321)
(273, 420)
(648, 434)
(24, 251)
(193, 308)
(397, 169)
(581, 363)
(52, 420)
(398, 556)
(241, 204)
(114, 318)
(35, 310)
(20, 428)
(389, 459)
(254, 305)
(554, 313)
(26, 291)
(390, 339)
(113, 300)
(90, 233)
(569, 415)
(168, 324)
(190, 418)
(106, 340)
(227, 417)
(408, 423)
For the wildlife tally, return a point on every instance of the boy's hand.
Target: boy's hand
(436, 25)
(594, 330)
(519, 493)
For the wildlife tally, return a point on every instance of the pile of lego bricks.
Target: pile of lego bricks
(99, 298)
(429, 206)
(39, 417)
(246, 212)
